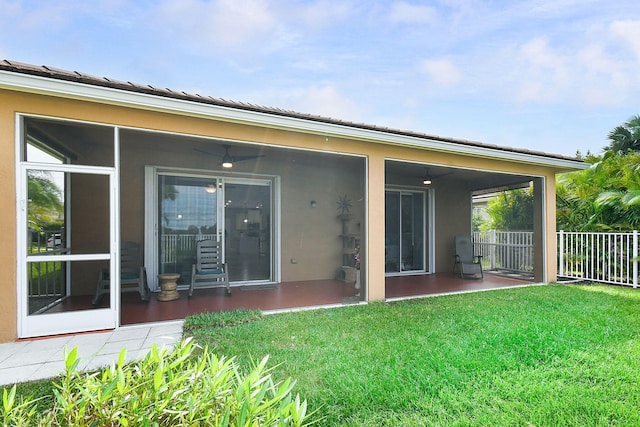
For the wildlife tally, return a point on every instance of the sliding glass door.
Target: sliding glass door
(232, 210)
(247, 231)
(405, 231)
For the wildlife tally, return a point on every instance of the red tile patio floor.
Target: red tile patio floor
(290, 295)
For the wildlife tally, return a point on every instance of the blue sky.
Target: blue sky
(548, 75)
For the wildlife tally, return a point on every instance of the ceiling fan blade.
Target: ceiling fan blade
(241, 158)
(228, 156)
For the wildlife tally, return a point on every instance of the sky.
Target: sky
(547, 75)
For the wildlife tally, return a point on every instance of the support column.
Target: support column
(375, 228)
(544, 230)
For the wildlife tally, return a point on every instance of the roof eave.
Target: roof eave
(88, 92)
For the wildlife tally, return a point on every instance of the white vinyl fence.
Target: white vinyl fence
(505, 250)
(598, 257)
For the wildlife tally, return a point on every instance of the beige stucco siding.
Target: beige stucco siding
(8, 312)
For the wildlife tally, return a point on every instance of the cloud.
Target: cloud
(321, 14)
(441, 71)
(327, 101)
(406, 13)
(538, 53)
(220, 25)
(596, 60)
(628, 31)
(47, 15)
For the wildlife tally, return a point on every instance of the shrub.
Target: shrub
(166, 388)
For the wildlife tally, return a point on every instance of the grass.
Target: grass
(536, 356)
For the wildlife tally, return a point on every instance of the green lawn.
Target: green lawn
(537, 356)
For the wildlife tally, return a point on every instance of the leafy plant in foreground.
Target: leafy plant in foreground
(164, 389)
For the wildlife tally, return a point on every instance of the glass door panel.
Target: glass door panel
(412, 232)
(188, 212)
(247, 211)
(392, 232)
(404, 231)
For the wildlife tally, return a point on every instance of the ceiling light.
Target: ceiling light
(427, 178)
(227, 162)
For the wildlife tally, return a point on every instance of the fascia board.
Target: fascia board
(81, 91)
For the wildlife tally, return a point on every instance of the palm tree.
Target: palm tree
(45, 204)
(605, 197)
(625, 138)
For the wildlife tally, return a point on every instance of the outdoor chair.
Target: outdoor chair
(133, 275)
(209, 271)
(466, 263)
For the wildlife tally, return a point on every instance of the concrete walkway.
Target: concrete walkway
(44, 358)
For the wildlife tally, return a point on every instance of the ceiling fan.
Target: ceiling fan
(228, 159)
(428, 178)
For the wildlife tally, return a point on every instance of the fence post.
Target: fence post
(561, 253)
(635, 258)
(492, 241)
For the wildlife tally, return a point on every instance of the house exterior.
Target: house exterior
(304, 196)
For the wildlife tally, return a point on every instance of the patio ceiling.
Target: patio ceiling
(56, 132)
(480, 179)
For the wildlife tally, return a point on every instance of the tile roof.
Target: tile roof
(75, 76)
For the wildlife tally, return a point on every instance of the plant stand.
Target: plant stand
(168, 284)
(348, 272)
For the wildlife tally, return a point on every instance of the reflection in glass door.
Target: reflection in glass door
(404, 231)
(188, 212)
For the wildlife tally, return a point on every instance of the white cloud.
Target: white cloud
(47, 15)
(596, 60)
(220, 25)
(403, 12)
(629, 31)
(323, 13)
(328, 101)
(538, 53)
(441, 71)
(533, 91)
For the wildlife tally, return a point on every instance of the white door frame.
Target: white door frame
(69, 321)
(151, 174)
(428, 232)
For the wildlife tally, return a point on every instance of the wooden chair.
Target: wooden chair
(209, 271)
(466, 263)
(133, 275)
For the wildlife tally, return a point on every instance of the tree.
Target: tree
(625, 138)
(512, 210)
(45, 205)
(605, 197)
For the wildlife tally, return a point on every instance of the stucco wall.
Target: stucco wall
(452, 218)
(8, 312)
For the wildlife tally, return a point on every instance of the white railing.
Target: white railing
(176, 245)
(46, 279)
(505, 250)
(599, 257)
